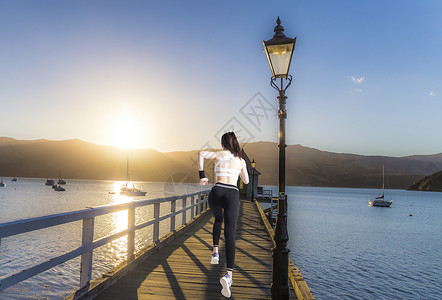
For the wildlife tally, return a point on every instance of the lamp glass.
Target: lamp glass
(279, 58)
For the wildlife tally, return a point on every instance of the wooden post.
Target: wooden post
(183, 218)
(192, 210)
(172, 218)
(156, 225)
(198, 205)
(130, 234)
(205, 196)
(86, 258)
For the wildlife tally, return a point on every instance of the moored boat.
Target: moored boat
(2, 184)
(50, 182)
(59, 188)
(129, 189)
(380, 200)
(60, 180)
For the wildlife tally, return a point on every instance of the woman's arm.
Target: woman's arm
(201, 156)
(244, 174)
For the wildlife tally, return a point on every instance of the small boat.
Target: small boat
(129, 189)
(14, 179)
(2, 184)
(60, 180)
(381, 201)
(50, 182)
(59, 188)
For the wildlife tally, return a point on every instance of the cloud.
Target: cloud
(357, 80)
(432, 93)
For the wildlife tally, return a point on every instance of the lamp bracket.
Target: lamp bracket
(282, 88)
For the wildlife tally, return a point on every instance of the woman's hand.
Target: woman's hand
(204, 181)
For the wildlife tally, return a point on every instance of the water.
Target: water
(348, 250)
(344, 248)
(30, 198)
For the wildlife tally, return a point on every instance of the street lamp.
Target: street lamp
(253, 163)
(279, 52)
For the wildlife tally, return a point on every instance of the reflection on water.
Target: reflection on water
(119, 221)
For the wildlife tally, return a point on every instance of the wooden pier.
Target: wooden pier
(174, 265)
(181, 269)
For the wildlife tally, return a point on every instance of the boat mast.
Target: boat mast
(383, 185)
(127, 171)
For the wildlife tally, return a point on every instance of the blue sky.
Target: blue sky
(171, 75)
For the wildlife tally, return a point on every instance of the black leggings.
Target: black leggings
(225, 197)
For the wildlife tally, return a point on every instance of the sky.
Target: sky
(175, 75)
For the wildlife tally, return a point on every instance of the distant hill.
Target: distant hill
(429, 183)
(312, 167)
(305, 166)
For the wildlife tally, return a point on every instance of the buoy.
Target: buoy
(410, 215)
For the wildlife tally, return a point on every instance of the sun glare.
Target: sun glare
(126, 134)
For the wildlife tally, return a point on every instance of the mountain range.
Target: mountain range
(304, 166)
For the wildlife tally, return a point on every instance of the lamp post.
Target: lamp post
(253, 163)
(279, 51)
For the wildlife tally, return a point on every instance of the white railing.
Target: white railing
(198, 204)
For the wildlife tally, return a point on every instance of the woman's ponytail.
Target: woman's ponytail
(230, 142)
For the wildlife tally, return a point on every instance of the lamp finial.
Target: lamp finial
(278, 29)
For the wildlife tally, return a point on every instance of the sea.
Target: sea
(344, 248)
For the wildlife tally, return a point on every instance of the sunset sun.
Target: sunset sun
(126, 133)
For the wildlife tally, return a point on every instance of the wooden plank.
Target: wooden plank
(86, 258)
(131, 234)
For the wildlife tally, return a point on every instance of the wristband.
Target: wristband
(202, 174)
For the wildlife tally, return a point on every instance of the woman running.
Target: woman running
(224, 199)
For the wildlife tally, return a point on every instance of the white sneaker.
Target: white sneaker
(215, 259)
(226, 282)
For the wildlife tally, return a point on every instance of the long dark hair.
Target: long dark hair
(229, 142)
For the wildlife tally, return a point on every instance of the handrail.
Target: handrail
(88, 244)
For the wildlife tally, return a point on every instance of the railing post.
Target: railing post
(183, 218)
(201, 197)
(206, 203)
(86, 258)
(192, 210)
(172, 218)
(130, 234)
(156, 225)
(198, 205)
(271, 209)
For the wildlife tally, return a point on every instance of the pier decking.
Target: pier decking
(181, 270)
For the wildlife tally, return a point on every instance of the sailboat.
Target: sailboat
(381, 201)
(129, 189)
(60, 180)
